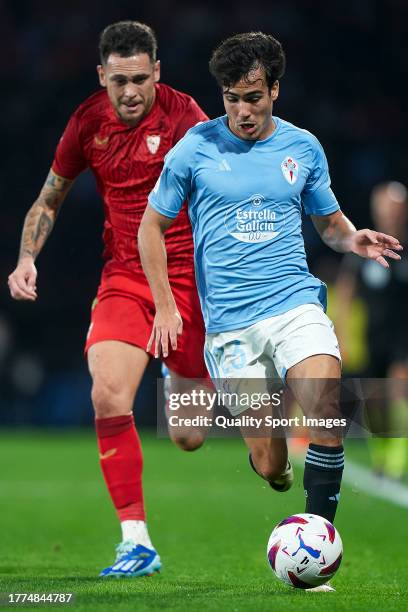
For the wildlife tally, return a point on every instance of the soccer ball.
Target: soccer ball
(304, 550)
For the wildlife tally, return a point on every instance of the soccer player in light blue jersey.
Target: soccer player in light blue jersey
(247, 176)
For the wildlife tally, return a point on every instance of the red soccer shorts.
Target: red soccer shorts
(124, 310)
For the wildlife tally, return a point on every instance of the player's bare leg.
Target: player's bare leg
(268, 455)
(315, 384)
(117, 369)
(188, 438)
(269, 458)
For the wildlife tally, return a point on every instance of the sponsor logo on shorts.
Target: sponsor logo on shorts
(256, 220)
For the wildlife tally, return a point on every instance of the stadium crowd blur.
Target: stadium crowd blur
(345, 81)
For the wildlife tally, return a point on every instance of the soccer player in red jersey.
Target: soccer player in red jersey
(122, 133)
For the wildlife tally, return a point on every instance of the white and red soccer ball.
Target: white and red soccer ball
(304, 550)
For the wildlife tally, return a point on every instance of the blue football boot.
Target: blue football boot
(133, 560)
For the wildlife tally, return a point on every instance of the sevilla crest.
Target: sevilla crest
(153, 143)
(290, 169)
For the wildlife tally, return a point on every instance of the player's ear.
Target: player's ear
(156, 71)
(101, 74)
(275, 91)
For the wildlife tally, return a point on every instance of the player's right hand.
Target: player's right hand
(166, 326)
(22, 282)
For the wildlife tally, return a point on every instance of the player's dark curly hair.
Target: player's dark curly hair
(127, 38)
(236, 56)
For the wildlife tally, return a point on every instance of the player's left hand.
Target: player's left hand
(375, 245)
(166, 327)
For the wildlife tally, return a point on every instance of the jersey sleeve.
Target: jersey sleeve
(174, 184)
(317, 196)
(69, 160)
(192, 115)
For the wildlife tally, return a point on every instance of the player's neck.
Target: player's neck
(268, 130)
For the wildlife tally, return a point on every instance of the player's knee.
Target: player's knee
(190, 442)
(108, 399)
(326, 440)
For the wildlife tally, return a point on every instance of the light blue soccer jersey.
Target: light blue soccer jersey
(245, 200)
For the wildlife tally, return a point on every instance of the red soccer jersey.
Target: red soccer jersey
(127, 162)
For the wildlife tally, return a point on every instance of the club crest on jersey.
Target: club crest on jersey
(153, 143)
(290, 170)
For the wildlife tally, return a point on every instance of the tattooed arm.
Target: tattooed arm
(38, 224)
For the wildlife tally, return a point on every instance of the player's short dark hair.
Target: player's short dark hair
(236, 56)
(127, 38)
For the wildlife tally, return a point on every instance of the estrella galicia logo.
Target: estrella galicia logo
(255, 220)
(290, 169)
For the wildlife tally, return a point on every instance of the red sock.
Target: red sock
(121, 461)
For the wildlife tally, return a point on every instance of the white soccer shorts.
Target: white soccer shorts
(268, 348)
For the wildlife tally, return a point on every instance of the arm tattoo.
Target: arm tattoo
(37, 227)
(52, 200)
(41, 217)
(56, 182)
(44, 227)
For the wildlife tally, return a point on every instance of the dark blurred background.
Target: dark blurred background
(346, 81)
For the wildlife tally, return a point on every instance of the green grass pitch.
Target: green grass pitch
(209, 516)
